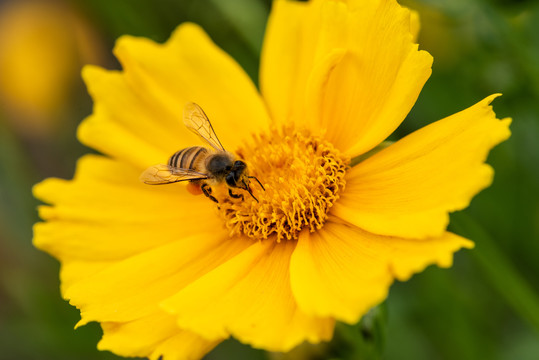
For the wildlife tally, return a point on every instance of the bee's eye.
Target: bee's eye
(230, 179)
(240, 165)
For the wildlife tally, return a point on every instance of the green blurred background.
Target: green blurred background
(485, 307)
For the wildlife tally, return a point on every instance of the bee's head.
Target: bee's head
(238, 177)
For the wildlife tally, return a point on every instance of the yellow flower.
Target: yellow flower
(42, 48)
(169, 273)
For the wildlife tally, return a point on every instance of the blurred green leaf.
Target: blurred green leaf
(499, 271)
(364, 340)
(16, 179)
(248, 17)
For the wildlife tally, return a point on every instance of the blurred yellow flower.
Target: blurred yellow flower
(42, 48)
(168, 273)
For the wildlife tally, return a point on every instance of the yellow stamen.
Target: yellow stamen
(303, 176)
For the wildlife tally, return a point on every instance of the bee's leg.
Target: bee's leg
(235, 196)
(206, 189)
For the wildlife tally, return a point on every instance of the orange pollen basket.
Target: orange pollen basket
(302, 176)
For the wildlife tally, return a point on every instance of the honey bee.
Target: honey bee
(201, 166)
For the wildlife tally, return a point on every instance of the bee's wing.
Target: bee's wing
(166, 174)
(196, 120)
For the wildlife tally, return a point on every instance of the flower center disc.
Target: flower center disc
(303, 176)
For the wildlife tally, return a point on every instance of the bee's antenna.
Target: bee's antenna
(249, 190)
(254, 177)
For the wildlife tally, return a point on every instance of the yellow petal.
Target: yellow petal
(72, 271)
(280, 65)
(163, 78)
(342, 271)
(409, 188)
(358, 97)
(133, 288)
(366, 95)
(153, 336)
(338, 276)
(124, 119)
(184, 346)
(249, 297)
(106, 213)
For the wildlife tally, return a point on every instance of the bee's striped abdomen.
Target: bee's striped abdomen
(188, 158)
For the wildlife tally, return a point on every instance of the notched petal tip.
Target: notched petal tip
(48, 189)
(88, 72)
(186, 29)
(439, 251)
(183, 31)
(81, 322)
(409, 188)
(499, 129)
(39, 188)
(125, 42)
(489, 99)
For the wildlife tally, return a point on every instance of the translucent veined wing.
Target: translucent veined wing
(196, 120)
(165, 174)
